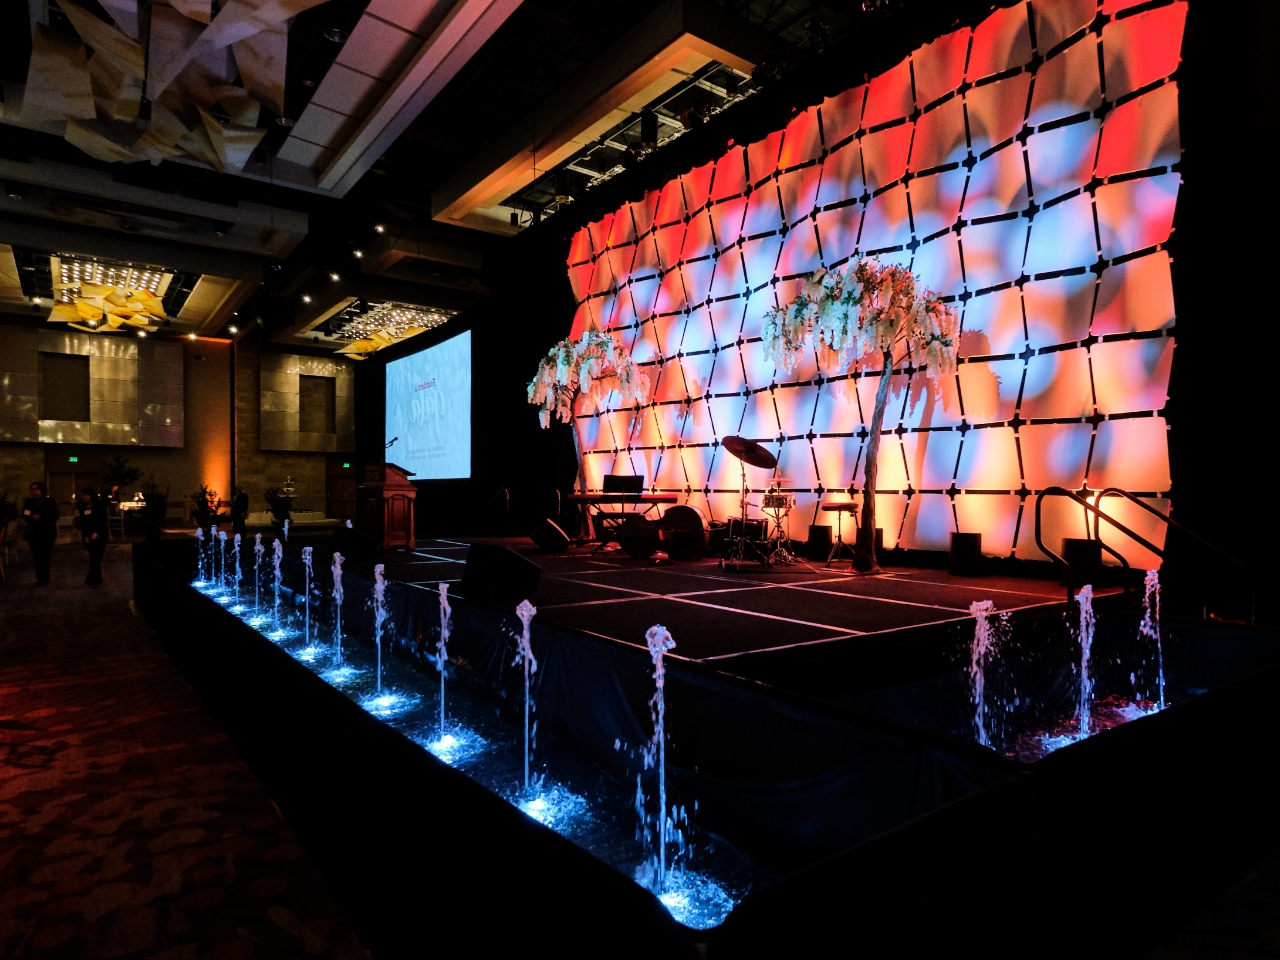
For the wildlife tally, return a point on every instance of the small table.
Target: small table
(609, 522)
(840, 509)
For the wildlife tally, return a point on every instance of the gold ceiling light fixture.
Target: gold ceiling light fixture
(386, 323)
(99, 296)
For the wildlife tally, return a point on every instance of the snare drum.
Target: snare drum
(780, 502)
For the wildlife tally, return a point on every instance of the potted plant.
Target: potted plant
(279, 504)
(206, 505)
(155, 507)
(118, 473)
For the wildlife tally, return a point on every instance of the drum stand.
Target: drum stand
(778, 538)
(740, 546)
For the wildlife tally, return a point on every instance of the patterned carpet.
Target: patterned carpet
(129, 825)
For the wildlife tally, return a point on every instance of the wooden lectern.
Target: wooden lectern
(384, 508)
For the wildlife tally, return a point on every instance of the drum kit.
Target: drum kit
(681, 532)
(776, 504)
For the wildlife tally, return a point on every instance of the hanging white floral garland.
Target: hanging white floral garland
(862, 311)
(595, 360)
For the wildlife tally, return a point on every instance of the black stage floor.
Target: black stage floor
(716, 614)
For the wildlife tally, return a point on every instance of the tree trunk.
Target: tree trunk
(580, 478)
(865, 548)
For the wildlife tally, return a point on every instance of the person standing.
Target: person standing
(93, 531)
(40, 512)
(239, 513)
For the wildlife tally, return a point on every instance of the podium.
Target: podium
(384, 506)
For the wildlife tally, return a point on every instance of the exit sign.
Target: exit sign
(346, 466)
(73, 459)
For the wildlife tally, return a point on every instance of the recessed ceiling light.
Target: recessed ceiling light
(232, 330)
(306, 298)
(284, 121)
(37, 300)
(358, 253)
(308, 83)
(334, 276)
(380, 228)
(191, 336)
(336, 35)
(142, 333)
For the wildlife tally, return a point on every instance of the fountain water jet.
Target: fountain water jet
(379, 614)
(306, 594)
(659, 640)
(981, 651)
(257, 569)
(526, 612)
(199, 555)
(222, 559)
(442, 653)
(1085, 599)
(277, 554)
(337, 606)
(235, 574)
(1150, 627)
(286, 530)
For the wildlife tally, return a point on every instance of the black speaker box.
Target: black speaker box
(498, 577)
(549, 537)
(819, 545)
(965, 557)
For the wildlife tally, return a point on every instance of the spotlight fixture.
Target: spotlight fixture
(93, 323)
(358, 254)
(233, 330)
(284, 121)
(380, 229)
(334, 277)
(14, 191)
(142, 334)
(37, 300)
(306, 298)
(221, 228)
(191, 336)
(336, 35)
(308, 83)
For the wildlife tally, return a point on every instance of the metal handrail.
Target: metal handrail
(1063, 492)
(1169, 521)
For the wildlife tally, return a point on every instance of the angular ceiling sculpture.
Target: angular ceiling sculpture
(97, 297)
(206, 74)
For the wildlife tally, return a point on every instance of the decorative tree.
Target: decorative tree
(594, 365)
(869, 312)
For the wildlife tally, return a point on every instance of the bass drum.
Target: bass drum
(638, 537)
(683, 532)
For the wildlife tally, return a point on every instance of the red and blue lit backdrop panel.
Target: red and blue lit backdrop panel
(1034, 187)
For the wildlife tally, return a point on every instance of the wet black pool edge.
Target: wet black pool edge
(423, 859)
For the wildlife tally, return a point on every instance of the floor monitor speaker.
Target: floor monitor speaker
(549, 537)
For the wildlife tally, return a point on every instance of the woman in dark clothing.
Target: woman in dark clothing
(93, 531)
(41, 515)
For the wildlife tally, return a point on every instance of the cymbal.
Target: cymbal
(750, 452)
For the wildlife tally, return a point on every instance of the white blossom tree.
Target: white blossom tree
(867, 314)
(594, 365)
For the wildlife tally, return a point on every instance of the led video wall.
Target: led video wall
(1024, 169)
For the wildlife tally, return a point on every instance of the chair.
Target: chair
(115, 519)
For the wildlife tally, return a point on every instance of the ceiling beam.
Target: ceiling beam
(455, 41)
(678, 34)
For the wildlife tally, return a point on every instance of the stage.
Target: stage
(716, 615)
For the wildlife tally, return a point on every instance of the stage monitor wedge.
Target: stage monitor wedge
(429, 410)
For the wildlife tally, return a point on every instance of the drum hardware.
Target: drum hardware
(741, 550)
(777, 505)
